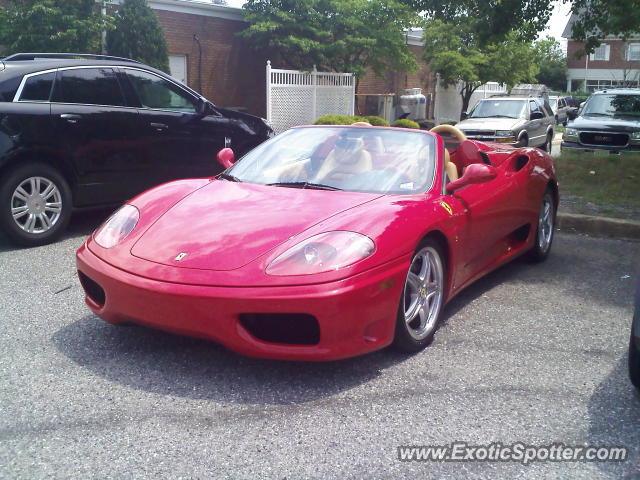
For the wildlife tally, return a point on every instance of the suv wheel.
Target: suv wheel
(35, 204)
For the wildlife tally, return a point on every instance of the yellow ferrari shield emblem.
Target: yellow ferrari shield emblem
(447, 207)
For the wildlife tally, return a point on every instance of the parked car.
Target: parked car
(80, 131)
(634, 343)
(608, 121)
(322, 243)
(561, 110)
(519, 121)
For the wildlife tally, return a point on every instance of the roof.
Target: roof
(618, 91)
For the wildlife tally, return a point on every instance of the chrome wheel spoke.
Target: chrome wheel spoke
(34, 182)
(414, 281)
(19, 212)
(49, 191)
(30, 224)
(21, 194)
(44, 221)
(54, 207)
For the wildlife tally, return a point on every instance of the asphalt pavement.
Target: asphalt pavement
(530, 353)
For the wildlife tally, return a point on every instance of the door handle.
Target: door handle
(71, 117)
(159, 126)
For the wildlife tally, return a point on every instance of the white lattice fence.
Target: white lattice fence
(298, 98)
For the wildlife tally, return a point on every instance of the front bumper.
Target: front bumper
(356, 315)
(578, 147)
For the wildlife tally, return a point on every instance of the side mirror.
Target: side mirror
(537, 115)
(226, 157)
(474, 174)
(464, 115)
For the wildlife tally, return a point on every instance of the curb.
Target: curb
(599, 226)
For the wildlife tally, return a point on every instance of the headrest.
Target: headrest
(467, 154)
(349, 143)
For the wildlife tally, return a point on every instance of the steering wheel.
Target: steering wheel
(456, 132)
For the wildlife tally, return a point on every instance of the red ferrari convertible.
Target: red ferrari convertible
(324, 242)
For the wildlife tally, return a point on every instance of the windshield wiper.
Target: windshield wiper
(231, 178)
(315, 186)
(499, 116)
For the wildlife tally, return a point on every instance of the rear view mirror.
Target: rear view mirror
(226, 157)
(537, 115)
(474, 174)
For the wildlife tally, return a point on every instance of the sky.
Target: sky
(559, 19)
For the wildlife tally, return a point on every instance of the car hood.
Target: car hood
(488, 123)
(619, 124)
(226, 225)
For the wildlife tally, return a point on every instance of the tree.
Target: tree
(595, 19)
(462, 61)
(335, 35)
(138, 35)
(494, 19)
(51, 26)
(552, 64)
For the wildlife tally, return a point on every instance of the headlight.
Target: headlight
(504, 133)
(117, 227)
(322, 253)
(570, 133)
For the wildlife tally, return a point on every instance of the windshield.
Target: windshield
(553, 102)
(612, 105)
(499, 108)
(355, 159)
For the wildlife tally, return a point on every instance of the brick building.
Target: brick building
(614, 63)
(206, 53)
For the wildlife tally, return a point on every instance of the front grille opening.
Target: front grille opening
(92, 289)
(604, 139)
(288, 328)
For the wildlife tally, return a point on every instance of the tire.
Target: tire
(545, 228)
(35, 204)
(422, 299)
(523, 142)
(634, 364)
(548, 143)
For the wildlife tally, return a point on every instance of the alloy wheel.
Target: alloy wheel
(36, 205)
(423, 293)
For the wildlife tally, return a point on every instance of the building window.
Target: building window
(178, 67)
(633, 53)
(601, 53)
(595, 85)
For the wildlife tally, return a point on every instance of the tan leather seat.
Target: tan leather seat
(348, 158)
(450, 167)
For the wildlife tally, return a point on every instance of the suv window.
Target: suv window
(8, 88)
(88, 86)
(534, 107)
(37, 88)
(156, 92)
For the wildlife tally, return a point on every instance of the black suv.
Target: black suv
(79, 131)
(608, 121)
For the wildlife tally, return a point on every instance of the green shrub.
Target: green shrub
(334, 120)
(450, 122)
(377, 121)
(405, 123)
(348, 120)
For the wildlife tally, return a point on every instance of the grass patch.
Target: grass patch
(601, 179)
(559, 128)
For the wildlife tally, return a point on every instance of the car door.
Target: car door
(99, 133)
(182, 142)
(562, 111)
(537, 126)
